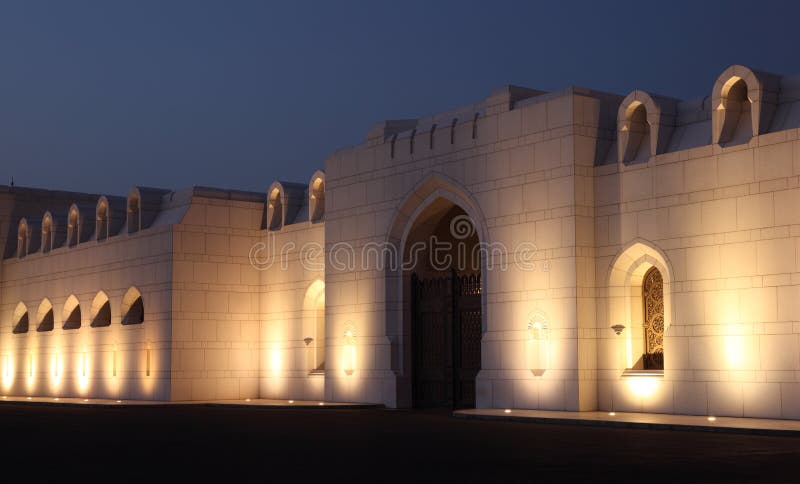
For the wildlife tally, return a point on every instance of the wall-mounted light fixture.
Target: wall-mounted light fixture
(349, 348)
(618, 329)
(147, 367)
(537, 344)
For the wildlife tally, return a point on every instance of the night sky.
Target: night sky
(100, 96)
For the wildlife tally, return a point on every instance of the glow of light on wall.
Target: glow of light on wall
(275, 360)
(8, 372)
(537, 344)
(56, 366)
(642, 386)
(83, 370)
(114, 362)
(734, 351)
(349, 349)
(30, 366)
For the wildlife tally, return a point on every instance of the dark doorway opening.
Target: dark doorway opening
(443, 301)
(446, 329)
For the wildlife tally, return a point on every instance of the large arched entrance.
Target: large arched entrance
(442, 291)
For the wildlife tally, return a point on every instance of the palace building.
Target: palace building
(570, 250)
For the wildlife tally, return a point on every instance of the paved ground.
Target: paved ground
(298, 445)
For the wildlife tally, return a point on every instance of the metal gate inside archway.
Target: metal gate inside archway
(446, 331)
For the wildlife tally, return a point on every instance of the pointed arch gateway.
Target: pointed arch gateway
(438, 300)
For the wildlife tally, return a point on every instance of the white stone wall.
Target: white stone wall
(215, 326)
(292, 275)
(519, 181)
(82, 362)
(727, 224)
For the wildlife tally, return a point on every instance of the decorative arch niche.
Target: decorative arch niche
(132, 307)
(74, 226)
(275, 207)
(20, 318)
(101, 221)
(100, 313)
(71, 315)
(743, 104)
(314, 331)
(134, 212)
(23, 238)
(45, 317)
(316, 197)
(48, 232)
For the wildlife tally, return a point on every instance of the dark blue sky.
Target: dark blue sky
(100, 96)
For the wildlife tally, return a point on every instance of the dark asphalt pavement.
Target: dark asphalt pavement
(375, 445)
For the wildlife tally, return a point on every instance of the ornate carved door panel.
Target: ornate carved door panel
(653, 302)
(446, 333)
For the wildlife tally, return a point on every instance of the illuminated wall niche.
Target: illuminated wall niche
(537, 343)
(349, 348)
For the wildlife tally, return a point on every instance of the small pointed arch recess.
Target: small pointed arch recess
(634, 134)
(23, 238)
(314, 326)
(20, 318)
(48, 232)
(475, 125)
(132, 307)
(100, 312)
(44, 316)
(134, 221)
(453, 130)
(275, 206)
(316, 197)
(71, 315)
(101, 220)
(73, 226)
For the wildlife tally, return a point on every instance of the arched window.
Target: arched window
(22, 238)
(134, 212)
(71, 316)
(73, 227)
(637, 129)
(100, 314)
(101, 225)
(47, 233)
(275, 209)
(653, 304)
(735, 107)
(132, 307)
(45, 316)
(640, 309)
(316, 202)
(20, 319)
